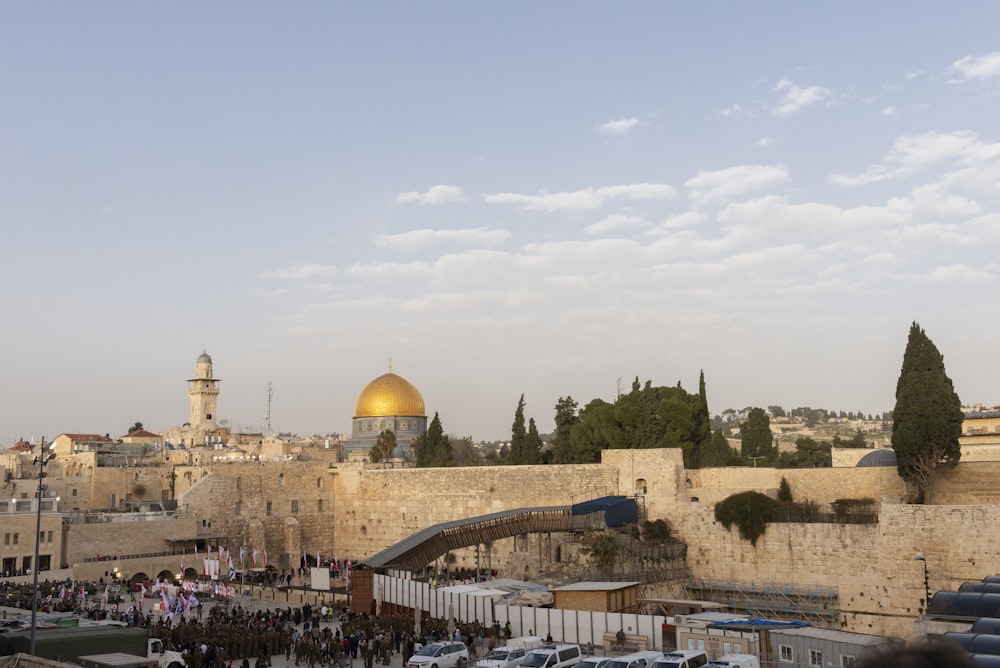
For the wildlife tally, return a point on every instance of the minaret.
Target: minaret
(204, 393)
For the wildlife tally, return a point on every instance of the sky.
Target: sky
(502, 198)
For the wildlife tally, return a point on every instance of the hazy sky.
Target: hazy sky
(547, 198)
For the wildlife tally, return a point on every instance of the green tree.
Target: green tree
(604, 549)
(532, 444)
(433, 448)
(927, 417)
(758, 441)
(718, 452)
(518, 437)
(136, 427)
(566, 417)
(809, 454)
(785, 491)
(464, 451)
(385, 443)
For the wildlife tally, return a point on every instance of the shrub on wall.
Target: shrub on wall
(750, 511)
(784, 490)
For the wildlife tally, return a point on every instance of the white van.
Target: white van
(511, 654)
(553, 656)
(735, 661)
(681, 658)
(636, 660)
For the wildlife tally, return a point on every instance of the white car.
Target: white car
(440, 655)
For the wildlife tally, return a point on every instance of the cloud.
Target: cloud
(300, 272)
(959, 273)
(418, 239)
(621, 127)
(764, 142)
(795, 98)
(615, 221)
(977, 68)
(580, 201)
(889, 111)
(734, 111)
(441, 194)
(914, 74)
(910, 154)
(733, 181)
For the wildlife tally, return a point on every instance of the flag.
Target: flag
(232, 570)
(317, 558)
(347, 574)
(196, 551)
(265, 557)
(243, 554)
(105, 597)
(164, 600)
(305, 560)
(254, 557)
(204, 569)
(220, 551)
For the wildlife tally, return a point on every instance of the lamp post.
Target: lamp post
(927, 588)
(45, 455)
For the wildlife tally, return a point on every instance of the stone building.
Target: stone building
(202, 427)
(389, 402)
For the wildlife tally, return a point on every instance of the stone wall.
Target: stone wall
(87, 541)
(366, 508)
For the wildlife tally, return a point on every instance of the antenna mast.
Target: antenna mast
(267, 420)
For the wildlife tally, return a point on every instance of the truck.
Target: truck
(511, 654)
(70, 643)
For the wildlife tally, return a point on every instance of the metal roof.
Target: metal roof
(834, 635)
(595, 586)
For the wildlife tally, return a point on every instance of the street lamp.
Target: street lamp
(927, 588)
(45, 455)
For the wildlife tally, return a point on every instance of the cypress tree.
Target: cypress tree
(518, 436)
(927, 417)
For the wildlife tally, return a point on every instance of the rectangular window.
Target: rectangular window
(239, 507)
(73, 493)
(846, 661)
(50, 536)
(268, 508)
(727, 648)
(295, 505)
(785, 654)
(6, 539)
(319, 506)
(815, 657)
(15, 539)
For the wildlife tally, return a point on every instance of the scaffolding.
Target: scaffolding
(815, 604)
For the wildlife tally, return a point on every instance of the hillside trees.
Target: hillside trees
(433, 448)
(927, 417)
(566, 417)
(646, 417)
(758, 441)
(385, 443)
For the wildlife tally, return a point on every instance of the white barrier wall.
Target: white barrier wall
(576, 626)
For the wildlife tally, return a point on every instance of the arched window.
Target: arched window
(640, 486)
(319, 483)
(239, 482)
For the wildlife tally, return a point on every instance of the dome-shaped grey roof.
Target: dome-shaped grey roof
(204, 358)
(880, 457)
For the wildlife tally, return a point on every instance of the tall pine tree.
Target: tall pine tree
(566, 417)
(927, 418)
(757, 439)
(518, 436)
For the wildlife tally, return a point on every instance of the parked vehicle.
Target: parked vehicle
(635, 660)
(594, 662)
(681, 658)
(440, 655)
(735, 661)
(70, 643)
(511, 654)
(560, 655)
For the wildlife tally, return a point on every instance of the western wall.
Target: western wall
(355, 510)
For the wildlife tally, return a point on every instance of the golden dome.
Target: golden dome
(389, 395)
